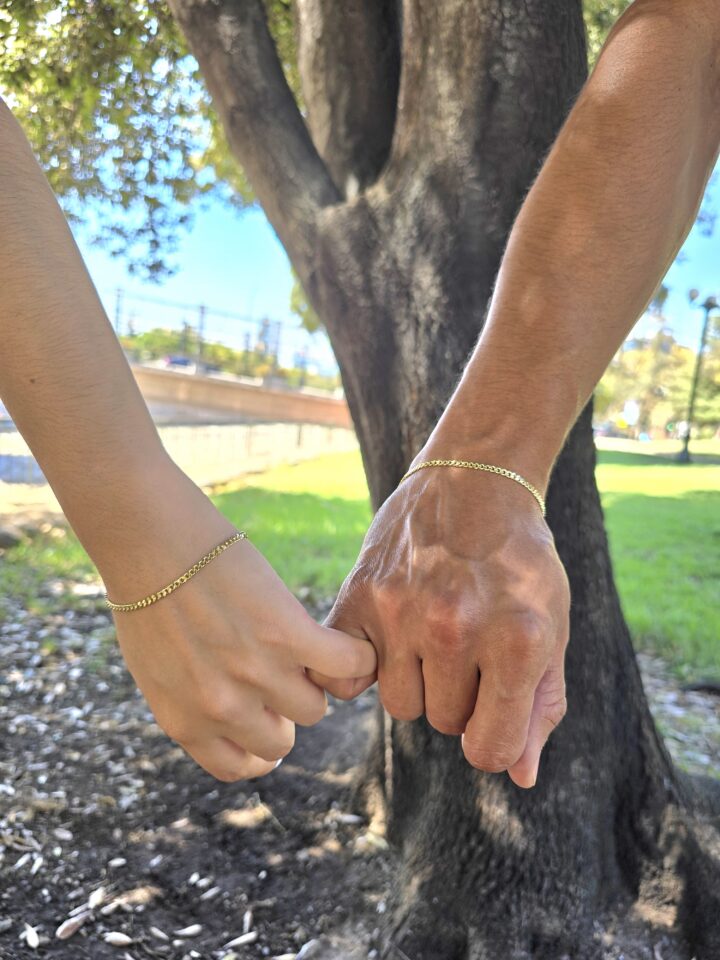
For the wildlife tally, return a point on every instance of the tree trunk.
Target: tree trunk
(401, 273)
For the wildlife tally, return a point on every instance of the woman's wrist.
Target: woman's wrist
(155, 522)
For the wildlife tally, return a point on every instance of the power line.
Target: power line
(196, 307)
(274, 331)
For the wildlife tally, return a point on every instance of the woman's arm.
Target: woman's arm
(458, 583)
(221, 660)
(63, 375)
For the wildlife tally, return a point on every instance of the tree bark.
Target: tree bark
(401, 275)
(352, 119)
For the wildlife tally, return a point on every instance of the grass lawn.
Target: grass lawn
(663, 522)
(309, 520)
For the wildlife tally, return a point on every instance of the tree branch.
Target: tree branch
(460, 101)
(231, 42)
(349, 61)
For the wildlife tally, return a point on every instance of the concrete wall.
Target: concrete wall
(209, 453)
(247, 401)
(221, 452)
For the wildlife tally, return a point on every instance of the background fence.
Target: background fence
(208, 453)
(278, 343)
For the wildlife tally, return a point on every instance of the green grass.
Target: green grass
(25, 568)
(704, 450)
(309, 520)
(663, 521)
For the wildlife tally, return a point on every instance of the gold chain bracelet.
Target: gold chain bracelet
(487, 468)
(202, 562)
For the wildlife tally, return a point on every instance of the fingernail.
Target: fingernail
(278, 763)
(534, 773)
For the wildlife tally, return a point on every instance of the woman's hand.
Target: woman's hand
(222, 659)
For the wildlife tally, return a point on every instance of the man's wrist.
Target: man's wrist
(533, 467)
(506, 434)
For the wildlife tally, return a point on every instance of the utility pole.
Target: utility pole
(246, 356)
(184, 338)
(275, 349)
(710, 304)
(202, 310)
(118, 309)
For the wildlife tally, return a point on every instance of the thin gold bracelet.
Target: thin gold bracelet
(202, 562)
(487, 467)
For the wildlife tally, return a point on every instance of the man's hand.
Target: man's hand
(222, 660)
(460, 589)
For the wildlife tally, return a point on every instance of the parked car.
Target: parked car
(613, 428)
(178, 363)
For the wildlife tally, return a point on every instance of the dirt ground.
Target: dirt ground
(98, 806)
(107, 827)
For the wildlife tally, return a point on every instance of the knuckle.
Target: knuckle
(341, 690)
(220, 708)
(448, 635)
(248, 670)
(226, 774)
(444, 614)
(555, 711)
(176, 730)
(449, 727)
(444, 606)
(530, 630)
(389, 598)
(279, 743)
(490, 759)
(284, 745)
(402, 711)
(314, 712)
(525, 640)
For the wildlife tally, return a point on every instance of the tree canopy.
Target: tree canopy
(118, 115)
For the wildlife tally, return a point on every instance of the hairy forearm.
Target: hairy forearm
(603, 221)
(63, 375)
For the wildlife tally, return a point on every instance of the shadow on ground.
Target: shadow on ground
(96, 802)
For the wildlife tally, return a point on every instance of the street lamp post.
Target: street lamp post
(710, 304)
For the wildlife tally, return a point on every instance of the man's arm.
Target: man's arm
(603, 222)
(458, 583)
(221, 660)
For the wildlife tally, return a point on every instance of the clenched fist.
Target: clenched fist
(461, 591)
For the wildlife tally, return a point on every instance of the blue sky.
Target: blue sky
(234, 262)
(229, 261)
